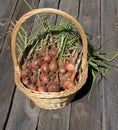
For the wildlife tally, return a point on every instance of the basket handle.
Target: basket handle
(53, 11)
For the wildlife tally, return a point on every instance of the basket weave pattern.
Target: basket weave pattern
(50, 100)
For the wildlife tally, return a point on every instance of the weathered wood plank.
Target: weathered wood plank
(109, 28)
(23, 114)
(6, 82)
(86, 115)
(45, 4)
(54, 119)
(48, 4)
(58, 119)
(70, 7)
(6, 12)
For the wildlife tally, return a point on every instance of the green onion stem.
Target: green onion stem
(93, 81)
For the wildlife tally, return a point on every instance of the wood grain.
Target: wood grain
(6, 11)
(23, 114)
(6, 83)
(54, 119)
(85, 114)
(109, 15)
(6, 69)
(70, 7)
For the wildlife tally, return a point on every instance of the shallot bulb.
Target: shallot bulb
(34, 70)
(44, 78)
(28, 64)
(62, 70)
(30, 73)
(36, 63)
(45, 67)
(68, 84)
(53, 87)
(53, 66)
(26, 81)
(34, 79)
(32, 87)
(42, 89)
(70, 67)
(53, 52)
(24, 73)
(24, 66)
(47, 58)
(68, 74)
(52, 76)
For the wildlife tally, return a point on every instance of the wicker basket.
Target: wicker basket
(50, 100)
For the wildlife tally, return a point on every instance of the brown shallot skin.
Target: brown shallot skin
(52, 76)
(35, 71)
(47, 58)
(26, 81)
(42, 89)
(30, 73)
(62, 70)
(68, 75)
(68, 84)
(53, 66)
(24, 66)
(44, 78)
(32, 87)
(70, 67)
(34, 79)
(45, 67)
(28, 64)
(53, 87)
(46, 71)
(53, 52)
(36, 63)
(24, 73)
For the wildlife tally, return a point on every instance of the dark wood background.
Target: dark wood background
(17, 112)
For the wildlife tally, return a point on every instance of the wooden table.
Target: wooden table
(18, 112)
